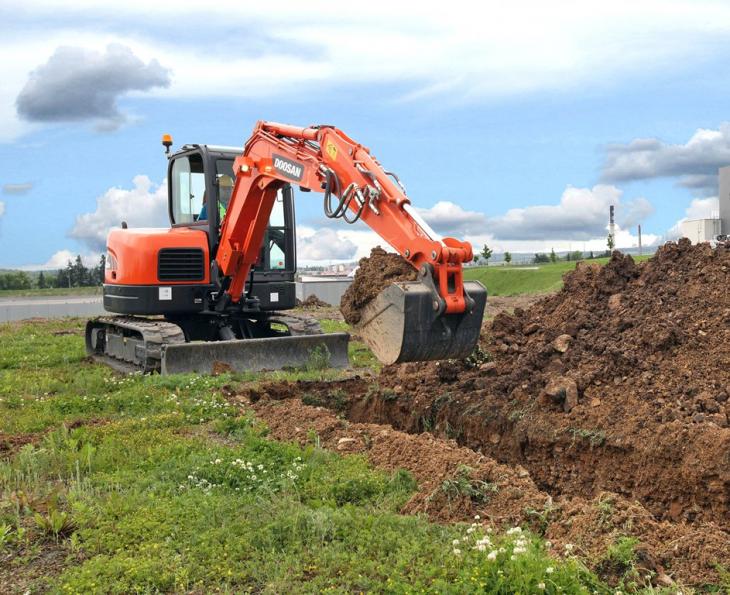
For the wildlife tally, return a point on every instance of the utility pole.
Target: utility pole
(640, 240)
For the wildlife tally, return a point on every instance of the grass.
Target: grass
(50, 292)
(517, 280)
(150, 484)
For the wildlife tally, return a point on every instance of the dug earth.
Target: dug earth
(607, 403)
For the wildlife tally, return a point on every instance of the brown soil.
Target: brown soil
(686, 552)
(10, 444)
(312, 302)
(376, 272)
(618, 382)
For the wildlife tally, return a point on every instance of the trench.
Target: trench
(563, 479)
(676, 477)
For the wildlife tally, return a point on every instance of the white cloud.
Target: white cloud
(578, 222)
(2, 208)
(699, 208)
(142, 206)
(581, 214)
(60, 259)
(324, 244)
(470, 51)
(694, 163)
(450, 219)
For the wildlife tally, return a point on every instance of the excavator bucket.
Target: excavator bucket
(319, 351)
(401, 325)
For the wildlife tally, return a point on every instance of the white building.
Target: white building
(700, 230)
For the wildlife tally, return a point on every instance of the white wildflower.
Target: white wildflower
(492, 555)
(549, 570)
(457, 551)
(541, 586)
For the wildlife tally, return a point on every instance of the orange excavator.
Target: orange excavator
(213, 291)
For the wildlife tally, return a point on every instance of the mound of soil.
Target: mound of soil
(312, 302)
(618, 382)
(375, 272)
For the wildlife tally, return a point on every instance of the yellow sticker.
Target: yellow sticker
(331, 149)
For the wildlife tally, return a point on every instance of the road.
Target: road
(20, 308)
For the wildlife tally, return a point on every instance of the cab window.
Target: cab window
(273, 250)
(188, 189)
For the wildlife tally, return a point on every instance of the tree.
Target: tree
(610, 242)
(98, 272)
(592, 256)
(553, 256)
(574, 255)
(42, 281)
(541, 258)
(15, 280)
(486, 253)
(476, 258)
(507, 257)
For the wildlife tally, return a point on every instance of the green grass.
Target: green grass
(517, 280)
(50, 292)
(163, 486)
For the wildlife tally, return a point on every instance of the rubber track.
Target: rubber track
(297, 325)
(155, 334)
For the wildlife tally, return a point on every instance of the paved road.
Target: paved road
(49, 307)
(21, 308)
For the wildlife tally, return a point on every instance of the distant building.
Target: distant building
(700, 230)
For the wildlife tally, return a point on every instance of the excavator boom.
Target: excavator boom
(435, 318)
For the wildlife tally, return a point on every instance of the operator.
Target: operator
(225, 185)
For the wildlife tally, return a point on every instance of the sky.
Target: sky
(513, 124)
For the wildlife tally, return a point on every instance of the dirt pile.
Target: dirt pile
(618, 382)
(312, 302)
(375, 272)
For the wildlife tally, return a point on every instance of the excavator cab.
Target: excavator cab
(200, 183)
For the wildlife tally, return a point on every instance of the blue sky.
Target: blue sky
(512, 125)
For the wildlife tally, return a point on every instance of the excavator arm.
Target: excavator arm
(355, 186)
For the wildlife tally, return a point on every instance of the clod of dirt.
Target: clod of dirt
(376, 272)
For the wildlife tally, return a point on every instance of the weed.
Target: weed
(544, 516)
(477, 357)
(462, 485)
(594, 437)
(319, 359)
(335, 399)
(5, 531)
(55, 523)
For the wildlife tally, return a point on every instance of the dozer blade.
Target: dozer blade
(401, 325)
(321, 351)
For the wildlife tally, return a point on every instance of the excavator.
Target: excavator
(213, 291)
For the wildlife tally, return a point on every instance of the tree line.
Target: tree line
(541, 257)
(74, 274)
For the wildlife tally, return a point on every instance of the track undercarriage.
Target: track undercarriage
(205, 343)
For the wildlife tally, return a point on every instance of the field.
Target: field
(530, 279)
(50, 292)
(114, 484)
(493, 474)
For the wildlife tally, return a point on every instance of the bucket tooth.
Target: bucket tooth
(401, 325)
